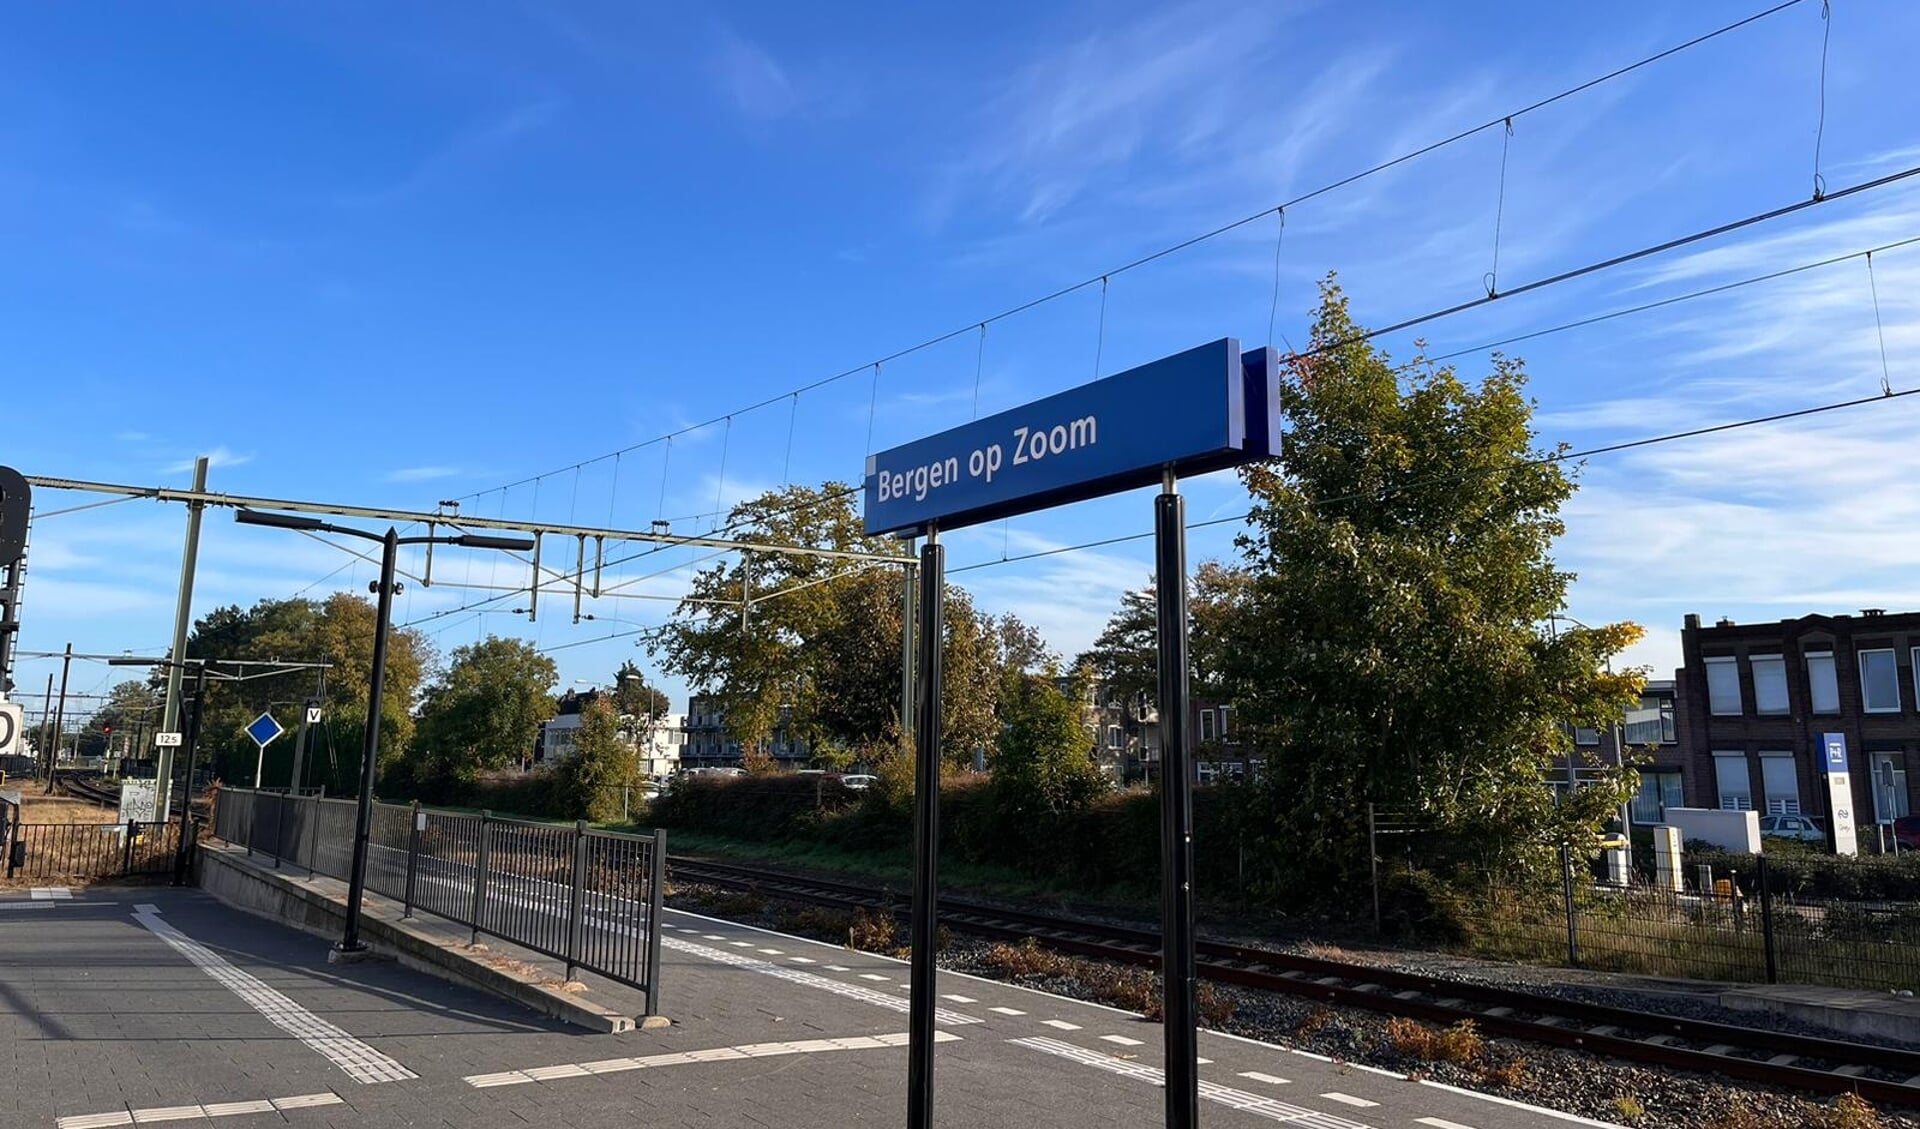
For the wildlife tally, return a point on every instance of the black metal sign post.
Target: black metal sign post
(926, 832)
(1178, 974)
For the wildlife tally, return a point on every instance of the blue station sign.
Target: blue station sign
(1206, 409)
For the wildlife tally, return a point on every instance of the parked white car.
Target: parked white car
(859, 781)
(1802, 827)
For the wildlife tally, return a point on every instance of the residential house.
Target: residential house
(709, 744)
(657, 741)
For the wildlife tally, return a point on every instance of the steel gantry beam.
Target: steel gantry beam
(457, 521)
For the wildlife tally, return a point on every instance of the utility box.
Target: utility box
(1666, 859)
(1736, 831)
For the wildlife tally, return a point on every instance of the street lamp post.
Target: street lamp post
(350, 946)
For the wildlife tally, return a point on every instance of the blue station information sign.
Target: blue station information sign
(1206, 409)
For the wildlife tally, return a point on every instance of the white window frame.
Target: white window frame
(1116, 737)
(1585, 737)
(1714, 704)
(1782, 805)
(1206, 725)
(1776, 664)
(1814, 704)
(1222, 711)
(1893, 656)
(1720, 757)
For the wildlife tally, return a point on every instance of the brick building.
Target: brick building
(1754, 700)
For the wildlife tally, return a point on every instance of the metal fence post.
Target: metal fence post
(573, 901)
(413, 857)
(253, 817)
(1566, 889)
(1766, 919)
(13, 838)
(126, 852)
(280, 828)
(480, 877)
(313, 827)
(656, 895)
(1373, 865)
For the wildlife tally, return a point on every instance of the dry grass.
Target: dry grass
(1628, 1108)
(1122, 986)
(1460, 1044)
(729, 903)
(63, 809)
(1311, 1023)
(1514, 1073)
(1848, 1111)
(873, 932)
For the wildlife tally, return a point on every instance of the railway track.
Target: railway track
(1883, 1075)
(88, 788)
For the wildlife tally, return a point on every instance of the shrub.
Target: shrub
(1459, 1044)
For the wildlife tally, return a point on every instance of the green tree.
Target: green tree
(589, 783)
(635, 697)
(1044, 767)
(483, 713)
(125, 720)
(339, 631)
(1387, 646)
(818, 650)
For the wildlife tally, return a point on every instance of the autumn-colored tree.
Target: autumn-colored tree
(339, 631)
(591, 782)
(817, 654)
(1387, 646)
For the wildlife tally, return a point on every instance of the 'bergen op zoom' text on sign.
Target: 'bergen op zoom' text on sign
(1205, 409)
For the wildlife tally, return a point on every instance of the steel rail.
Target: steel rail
(1788, 1060)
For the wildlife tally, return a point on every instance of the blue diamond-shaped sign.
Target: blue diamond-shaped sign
(264, 729)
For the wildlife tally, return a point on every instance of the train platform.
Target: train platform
(132, 1006)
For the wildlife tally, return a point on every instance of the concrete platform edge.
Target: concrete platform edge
(250, 886)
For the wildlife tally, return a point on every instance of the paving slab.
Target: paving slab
(105, 1021)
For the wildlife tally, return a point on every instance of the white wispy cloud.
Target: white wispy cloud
(218, 457)
(753, 80)
(474, 143)
(422, 473)
(1172, 85)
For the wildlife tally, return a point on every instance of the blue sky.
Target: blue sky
(392, 255)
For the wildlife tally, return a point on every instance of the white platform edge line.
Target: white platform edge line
(1510, 1103)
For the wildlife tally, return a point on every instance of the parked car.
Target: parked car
(1802, 827)
(858, 781)
(1906, 831)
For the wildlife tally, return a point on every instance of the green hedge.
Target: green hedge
(1112, 844)
(1867, 878)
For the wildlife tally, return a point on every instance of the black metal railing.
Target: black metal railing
(588, 897)
(89, 850)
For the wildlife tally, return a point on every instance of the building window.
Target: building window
(1206, 725)
(1224, 710)
(1889, 787)
(1879, 682)
(1823, 682)
(1769, 683)
(1782, 784)
(1736, 787)
(1658, 792)
(1651, 723)
(1723, 686)
(1115, 737)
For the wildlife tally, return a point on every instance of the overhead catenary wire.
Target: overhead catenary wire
(1582, 271)
(1546, 459)
(1206, 236)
